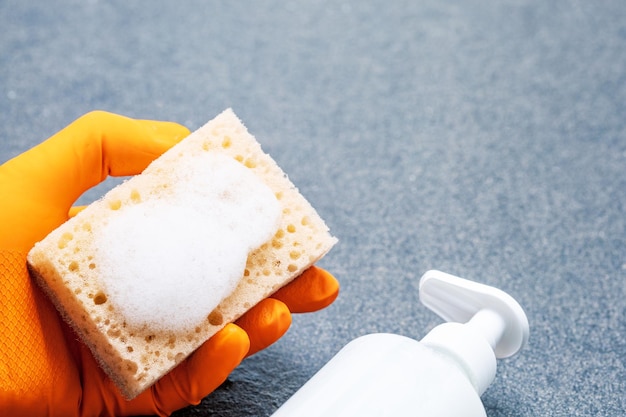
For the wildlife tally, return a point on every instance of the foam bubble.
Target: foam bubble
(168, 264)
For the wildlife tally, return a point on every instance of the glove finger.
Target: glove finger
(265, 323)
(314, 290)
(42, 183)
(202, 372)
(96, 145)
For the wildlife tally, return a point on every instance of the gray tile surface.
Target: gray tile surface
(486, 139)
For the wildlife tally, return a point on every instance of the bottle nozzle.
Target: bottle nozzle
(485, 323)
(490, 311)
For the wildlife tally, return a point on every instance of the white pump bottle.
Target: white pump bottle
(442, 375)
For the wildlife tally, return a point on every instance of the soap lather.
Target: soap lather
(444, 374)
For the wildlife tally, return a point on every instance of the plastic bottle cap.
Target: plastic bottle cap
(486, 323)
(459, 300)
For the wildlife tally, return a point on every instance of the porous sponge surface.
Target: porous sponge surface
(134, 350)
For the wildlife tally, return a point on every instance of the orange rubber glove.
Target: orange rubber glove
(44, 369)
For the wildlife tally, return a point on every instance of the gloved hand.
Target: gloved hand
(44, 369)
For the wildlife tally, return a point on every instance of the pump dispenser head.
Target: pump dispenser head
(485, 323)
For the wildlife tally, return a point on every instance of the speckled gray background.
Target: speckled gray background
(483, 138)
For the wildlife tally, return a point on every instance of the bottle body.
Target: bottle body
(386, 375)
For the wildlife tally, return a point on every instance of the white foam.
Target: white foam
(168, 264)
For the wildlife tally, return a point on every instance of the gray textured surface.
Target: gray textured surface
(486, 139)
